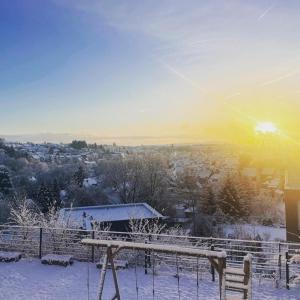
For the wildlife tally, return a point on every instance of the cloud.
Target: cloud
(217, 43)
(189, 31)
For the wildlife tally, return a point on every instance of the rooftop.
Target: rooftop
(110, 213)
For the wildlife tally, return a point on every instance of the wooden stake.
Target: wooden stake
(221, 271)
(111, 260)
(102, 276)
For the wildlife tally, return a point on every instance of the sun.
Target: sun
(266, 128)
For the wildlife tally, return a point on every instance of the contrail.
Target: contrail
(265, 12)
(182, 76)
(206, 93)
(225, 102)
(290, 74)
(232, 96)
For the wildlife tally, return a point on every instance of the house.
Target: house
(250, 173)
(183, 216)
(117, 216)
(292, 204)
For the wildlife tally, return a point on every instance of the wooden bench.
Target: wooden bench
(59, 260)
(10, 256)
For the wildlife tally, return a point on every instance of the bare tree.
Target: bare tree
(23, 214)
(146, 226)
(139, 179)
(155, 181)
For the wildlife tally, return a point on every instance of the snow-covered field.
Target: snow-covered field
(30, 280)
(267, 233)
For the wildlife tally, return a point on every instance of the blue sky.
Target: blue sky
(145, 68)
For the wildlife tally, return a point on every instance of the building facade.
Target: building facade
(292, 205)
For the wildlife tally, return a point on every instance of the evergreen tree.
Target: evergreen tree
(231, 201)
(45, 198)
(56, 194)
(208, 203)
(5, 183)
(78, 145)
(79, 176)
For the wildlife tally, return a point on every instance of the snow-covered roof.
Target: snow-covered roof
(268, 171)
(249, 172)
(87, 182)
(189, 210)
(273, 183)
(110, 213)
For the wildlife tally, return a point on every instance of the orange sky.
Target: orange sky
(190, 71)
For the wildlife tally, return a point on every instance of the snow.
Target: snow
(110, 213)
(9, 256)
(271, 233)
(32, 179)
(30, 280)
(112, 196)
(295, 259)
(55, 259)
(88, 182)
(118, 263)
(155, 247)
(236, 285)
(63, 193)
(249, 172)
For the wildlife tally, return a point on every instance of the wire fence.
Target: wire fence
(275, 260)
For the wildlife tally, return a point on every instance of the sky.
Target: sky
(158, 71)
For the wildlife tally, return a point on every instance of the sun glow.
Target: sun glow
(266, 127)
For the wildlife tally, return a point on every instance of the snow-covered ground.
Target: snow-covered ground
(30, 280)
(267, 233)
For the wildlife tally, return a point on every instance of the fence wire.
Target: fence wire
(270, 259)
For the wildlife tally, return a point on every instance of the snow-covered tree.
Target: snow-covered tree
(146, 226)
(231, 200)
(208, 203)
(23, 213)
(79, 176)
(45, 198)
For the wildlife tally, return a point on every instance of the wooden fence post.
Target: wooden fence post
(222, 287)
(147, 255)
(247, 275)
(212, 248)
(93, 247)
(146, 260)
(287, 270)
(279, 260)
(113, 269)
(40, 242)
(102, 276)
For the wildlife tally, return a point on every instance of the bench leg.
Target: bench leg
(102, 278)
(111, 260)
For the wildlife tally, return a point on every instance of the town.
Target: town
(181, 182)
(149, 150)
(209, 191)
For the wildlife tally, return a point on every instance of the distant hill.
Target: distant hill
(120, 140)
